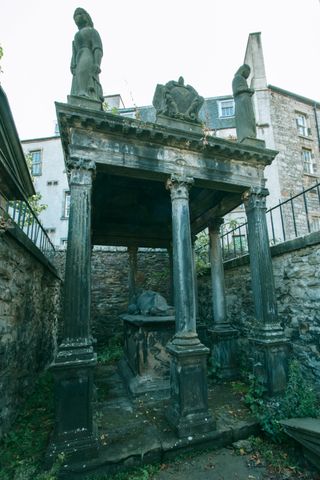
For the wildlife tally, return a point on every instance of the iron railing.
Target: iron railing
(292, 218)
(20, 214)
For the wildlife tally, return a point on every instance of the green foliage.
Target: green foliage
(34, 200)
(299, 400)
(214, 370)
(106, 108)
(141, 473)
(281, 459)
(110, 353)
(22, 449)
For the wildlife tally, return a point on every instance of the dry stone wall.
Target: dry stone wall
(29, 310)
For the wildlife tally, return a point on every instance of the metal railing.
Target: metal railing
(292, 218)
(19, 213)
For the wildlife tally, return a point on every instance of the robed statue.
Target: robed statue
(86, 58)
(244, 114)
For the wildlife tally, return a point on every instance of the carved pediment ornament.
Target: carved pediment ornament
(176, 100)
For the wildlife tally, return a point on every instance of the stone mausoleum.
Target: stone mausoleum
(156, 185)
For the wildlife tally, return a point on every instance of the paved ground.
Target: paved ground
(221, 465)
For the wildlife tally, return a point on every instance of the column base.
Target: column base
(74, 432)
(188, 412)
(224, 351)
(270, 354)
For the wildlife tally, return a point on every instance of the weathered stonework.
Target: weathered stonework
(29, 311)
(297, 288)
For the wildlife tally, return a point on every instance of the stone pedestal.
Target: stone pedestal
(224, 351)
(84, 102)
(146, 364)
(188, 411)
(223, 337)
(74, 432)
(270, 348)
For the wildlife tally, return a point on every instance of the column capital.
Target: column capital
(255, 197)
(215, 223)
(179, 186)
(78, 164)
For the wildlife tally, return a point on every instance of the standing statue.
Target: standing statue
(244, 114)
(86, 58)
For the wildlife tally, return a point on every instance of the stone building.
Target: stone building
(286, 121)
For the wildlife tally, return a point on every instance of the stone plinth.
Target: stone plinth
(188, 411)
(146, 365)
(224, 351)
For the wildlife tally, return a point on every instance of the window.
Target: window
(302, 125)
(52, 182)
(66, 208)
(226, 108)
(36, 163)
(308, 161)
(64, 242)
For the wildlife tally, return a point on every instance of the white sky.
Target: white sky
(152, 41)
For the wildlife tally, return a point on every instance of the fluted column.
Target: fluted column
(74, 432)
(268, 340)
(188, 367)
(77, 296)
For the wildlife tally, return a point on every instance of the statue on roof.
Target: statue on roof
(86, 58)
(177, 100)
(244, 113)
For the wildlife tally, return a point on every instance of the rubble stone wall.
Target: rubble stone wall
(29, 311)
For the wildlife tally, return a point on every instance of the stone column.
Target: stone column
(223, 337)
(269, 343)
(74, 363)
(171, 289)
(188, 410)
(132, 251)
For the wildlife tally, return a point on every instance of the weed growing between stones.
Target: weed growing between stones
(110, 353)
(23, 448)
(298, 401)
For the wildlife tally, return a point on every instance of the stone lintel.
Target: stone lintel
(84, 102)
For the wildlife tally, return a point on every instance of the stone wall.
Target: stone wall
(109, 285)
(297, 282)
(29, 310)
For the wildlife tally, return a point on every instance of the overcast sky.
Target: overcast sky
(148, 42)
